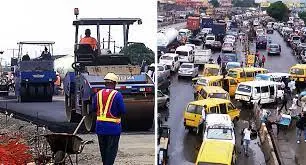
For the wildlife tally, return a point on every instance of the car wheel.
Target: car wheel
(167, 104)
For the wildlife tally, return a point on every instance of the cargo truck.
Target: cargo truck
(91, 66)
(207, 24)
(193, 24)
(219, 30)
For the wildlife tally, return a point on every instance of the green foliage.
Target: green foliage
(215, 3)
(302, 15)
(244, 3)
(279, 11)
(138, 52)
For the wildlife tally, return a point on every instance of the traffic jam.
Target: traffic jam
(211, 76)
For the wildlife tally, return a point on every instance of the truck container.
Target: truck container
(193, 24)
(219, 30)
(207, 22)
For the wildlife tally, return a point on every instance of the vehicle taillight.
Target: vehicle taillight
(148, 89)
(142, 89)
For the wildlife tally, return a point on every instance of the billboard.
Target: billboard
(264, 4)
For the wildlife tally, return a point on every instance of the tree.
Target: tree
(215, 3)
(302, 15)
(244, 3)
(279, 11)
(138, 52)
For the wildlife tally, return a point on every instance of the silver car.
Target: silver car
(163, 70)
(228, 47)
(163, 100)
(188, 70)
(274, 49)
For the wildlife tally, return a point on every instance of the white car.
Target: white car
(209, 39)
(163, 71)
(219, 127)
(170, 59)
(229, 38)
(228, 47)
(188, 70)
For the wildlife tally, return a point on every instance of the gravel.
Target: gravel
(134, 148)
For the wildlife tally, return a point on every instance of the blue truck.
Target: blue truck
(219, 30)
(34, 78)
(207, 22)
(91, 66)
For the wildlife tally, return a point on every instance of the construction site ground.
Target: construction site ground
(134, 148)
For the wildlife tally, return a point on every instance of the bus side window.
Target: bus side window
(203, 94)
(242, 74)
(223, 108)
(213, 110)
(249, 74)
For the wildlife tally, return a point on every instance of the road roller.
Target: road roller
(90, 66)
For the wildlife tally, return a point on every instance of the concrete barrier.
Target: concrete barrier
(267, 144)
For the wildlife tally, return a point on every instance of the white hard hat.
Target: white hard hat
(111, 77)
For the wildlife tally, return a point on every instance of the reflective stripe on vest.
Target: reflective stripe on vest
(104, 113)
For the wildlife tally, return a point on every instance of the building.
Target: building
(225, 3)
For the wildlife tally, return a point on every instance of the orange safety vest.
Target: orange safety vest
(105, 98)
(89, 40)
(58, 81)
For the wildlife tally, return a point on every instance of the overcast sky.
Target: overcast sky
(52, 20)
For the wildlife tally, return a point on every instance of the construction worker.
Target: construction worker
(57, 84)
(109, 106)
(45, 55)
(89, 40)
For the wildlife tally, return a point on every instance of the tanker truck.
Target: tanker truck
(166, 39)
(91, 66)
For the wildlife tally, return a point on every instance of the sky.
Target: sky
(51, 20)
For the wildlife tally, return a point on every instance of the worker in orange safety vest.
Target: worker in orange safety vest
(89, 40)
(57, 84)
(109, 107)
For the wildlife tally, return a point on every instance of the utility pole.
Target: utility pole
(13, 51)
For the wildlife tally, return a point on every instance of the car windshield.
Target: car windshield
(211, 71)
(232, 74)
(231, 66)
(262, 77)
(160, 68)
(166, 58)
(244, 88)
(219, 133)
(273, 46)
(182, 33)
(297, 71)
(295, 38)
(227, 44)
(229, 58)
(186, 66)
(194, 109)
(218, 95)
(182, 53)
(202, 81)
(262, 38)
(210, 38)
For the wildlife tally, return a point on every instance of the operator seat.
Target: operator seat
(85, 53)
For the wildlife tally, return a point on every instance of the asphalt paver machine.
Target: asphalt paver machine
(90, 66)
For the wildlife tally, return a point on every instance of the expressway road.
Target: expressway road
(177, 26)
(183, 147)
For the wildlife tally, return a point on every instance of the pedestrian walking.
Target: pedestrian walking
(263, 60)
(109, 106)
(301, 127)
(219, 60)
(294, 106)
(202, 121)
(246, 139)
(284, 102)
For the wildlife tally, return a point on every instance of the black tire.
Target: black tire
(59, 157)
(71, 115)
(90, 120)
